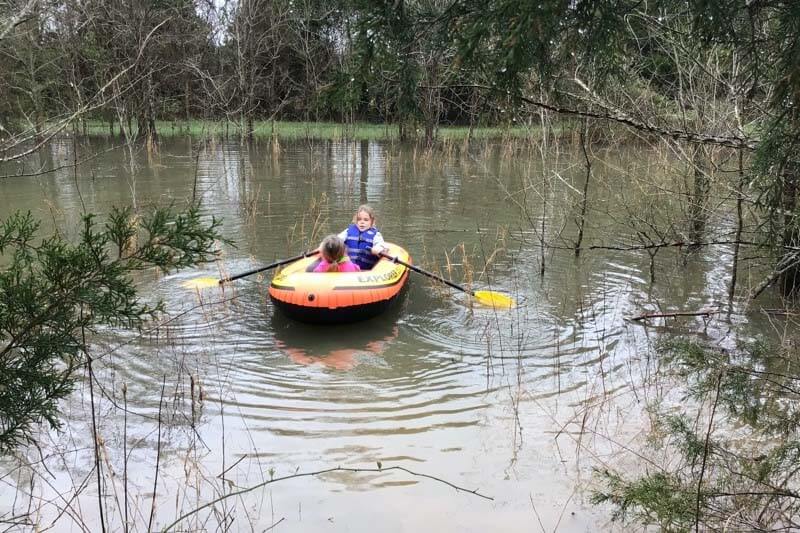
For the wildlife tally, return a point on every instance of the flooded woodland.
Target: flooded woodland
(625, 174)
(440, 414)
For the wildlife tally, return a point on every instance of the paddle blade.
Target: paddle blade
(494, 299)
(200, 283)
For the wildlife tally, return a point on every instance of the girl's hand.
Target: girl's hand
(376, 250)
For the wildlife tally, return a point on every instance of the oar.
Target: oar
(204, 283)
(490, 298)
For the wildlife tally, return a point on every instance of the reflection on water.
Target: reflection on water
(340, 347)
(521, 403)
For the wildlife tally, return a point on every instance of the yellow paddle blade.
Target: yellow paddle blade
(200, 283)
(494, 299)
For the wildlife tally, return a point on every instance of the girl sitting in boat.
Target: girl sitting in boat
(363, 240)
(334, 258)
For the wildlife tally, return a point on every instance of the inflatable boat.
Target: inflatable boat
(338, 297)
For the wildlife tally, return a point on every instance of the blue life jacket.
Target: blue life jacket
(359, 246)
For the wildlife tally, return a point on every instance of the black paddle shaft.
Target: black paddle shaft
(268, 267)
(426, 273)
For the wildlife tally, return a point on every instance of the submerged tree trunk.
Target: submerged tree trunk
(698, 201)
(364, 171)
(430, 134)
(584, 198)
(187, 98)
(739, 224)
(152, 135)
(402, 130)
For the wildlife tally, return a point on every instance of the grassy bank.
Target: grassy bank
(316, 130)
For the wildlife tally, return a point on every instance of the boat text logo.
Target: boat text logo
(380, 278)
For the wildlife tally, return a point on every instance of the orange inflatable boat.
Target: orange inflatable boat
(338, 297)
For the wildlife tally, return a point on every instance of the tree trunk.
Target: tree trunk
(791, 236)
(584, 197)
(739, 225)
(141, 127)
(152, 135)
(364, 171)
(186, 99)
(430, 134)
(699, 199)
(402, 128)
(35, 89)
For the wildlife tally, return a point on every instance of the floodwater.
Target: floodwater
(519, 406)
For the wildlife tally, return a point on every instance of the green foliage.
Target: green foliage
(53, 292)
(385, 44)
(775, 167)
(684, 438)
(344, 94)
(753, 383)
(511, 38)
(748, 461)
(657, 498)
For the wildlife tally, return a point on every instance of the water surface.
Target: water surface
(519, 405)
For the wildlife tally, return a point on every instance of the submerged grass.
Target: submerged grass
(315, 130)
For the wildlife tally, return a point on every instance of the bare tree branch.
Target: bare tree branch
(317, 473)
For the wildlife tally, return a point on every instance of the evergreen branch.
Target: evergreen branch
(51, 294)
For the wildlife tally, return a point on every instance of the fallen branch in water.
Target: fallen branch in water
(318, 472)
(702, 312)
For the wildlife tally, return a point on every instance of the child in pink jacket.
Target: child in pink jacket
(334, 256)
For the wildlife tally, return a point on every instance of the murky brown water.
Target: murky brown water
(519, 405)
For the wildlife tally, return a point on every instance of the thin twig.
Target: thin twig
(538, 518)
(125, 451)
(705, 454)
(158, 455)
(317, 473)
(95, 437)
(702, 312)
(275, 524)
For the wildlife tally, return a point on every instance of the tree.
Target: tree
(310, 48)
(254, 52)
(622, 46)
(27, 69)
(404, 60)
(54, 294)
(46, 55)
(160, 40)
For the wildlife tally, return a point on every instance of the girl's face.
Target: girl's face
(363, 221)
